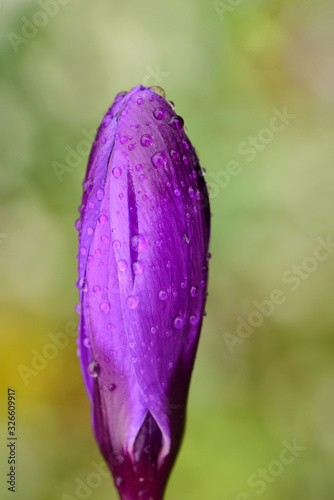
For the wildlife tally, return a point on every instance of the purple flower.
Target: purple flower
(143, 254)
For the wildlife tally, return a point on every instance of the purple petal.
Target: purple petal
(143, 249)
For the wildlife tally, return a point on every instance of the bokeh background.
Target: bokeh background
(230, 67)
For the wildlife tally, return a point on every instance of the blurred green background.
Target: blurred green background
(230, 67)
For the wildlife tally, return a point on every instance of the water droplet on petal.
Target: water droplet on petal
(117, 172)
(86, 342)
(103, 219)
(123, 139)
(137, 267)
(178, 321)
(122, 265)
(105, 306)
(163, 294)
(174, 154)
(139, 167)
(111, 327)
(194, 319)
(83, 285)
(176, 122)
(97, 289)
(158, 90)
(78, 224)
(78, 308)
(120, 96)
(93, 369)
(146, 140)
(193, 290)
(140, 101)
(142, 177)
(159, 159)
(191, 192)
(170, 364)
(132, 301)
(112, 387)
(160, 113)
(138, 242)
(116, 245)
(100, 194)
(177, 192)
(90, 230)
(185, 144)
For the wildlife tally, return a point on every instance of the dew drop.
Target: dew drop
(163, 294)
(138, 242)
(177, 192)
(111, 327)
(153, 330)
(123, 139)
(86, 342)
(158, 90)
(185, 144)
(159, 159)
(160, 113)
(193, 290)
(132, 301)
(104, 238)
(100, 194)
(146, 140)
(191, 192)
(194, 319)
(90, 230)
(116, 245)
(142, 177)
(83, 285)
(93, 369)
(178, 321)
(103, 219)
(78, 224)
(176, 122)
(120, 96)
(140, 101)
(122, 265)
(170, 364)
(91, 205)
(97, 289)
(137, 267)
(118, 482)
(105, 306)
(185, 159)
(131, 147)
(78, 308)
(139, 167)
(174, 154)
(112, 387)
(117, 172)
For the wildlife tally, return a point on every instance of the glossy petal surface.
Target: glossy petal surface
(143, 246)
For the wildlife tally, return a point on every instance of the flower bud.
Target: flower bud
(143, 251)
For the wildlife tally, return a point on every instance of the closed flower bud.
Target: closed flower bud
(143, 251)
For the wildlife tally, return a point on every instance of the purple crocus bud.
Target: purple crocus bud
(143, 251)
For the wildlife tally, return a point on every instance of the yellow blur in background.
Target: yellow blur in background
(254, 81)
